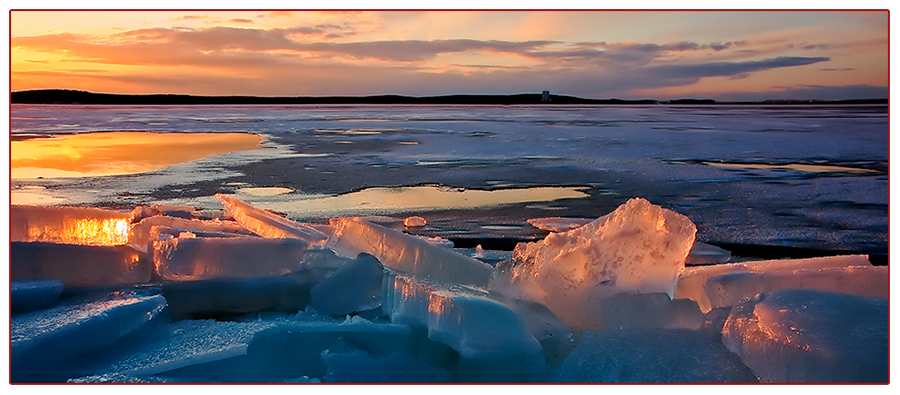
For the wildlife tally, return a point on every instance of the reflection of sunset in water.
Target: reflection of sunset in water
(399, 199)
(115, 153)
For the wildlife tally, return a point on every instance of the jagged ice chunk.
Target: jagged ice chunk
(405, 253)
(638, 248)
(807, 336)
(691, 281)
(141, 234)
(195, 258)
(267, 224)
(730, 289)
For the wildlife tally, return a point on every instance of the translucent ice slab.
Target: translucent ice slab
(40, 339)
(691, 281)
(492, 341)
(267, 224)
(78, 265)
(193, 258)
(807, 336)
(354, 287)
(651, 356)
(730, 289)
(26, 296)
(75, 225)
(402, 252)
(638, 248)
(461, 317)
(139, 237)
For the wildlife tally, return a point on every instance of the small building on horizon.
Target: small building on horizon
(545, 96)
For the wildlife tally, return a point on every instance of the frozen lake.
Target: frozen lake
(808, 177)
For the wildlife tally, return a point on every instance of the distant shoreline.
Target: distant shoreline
(62, 96)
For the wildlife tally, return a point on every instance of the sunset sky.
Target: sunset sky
(724, 55)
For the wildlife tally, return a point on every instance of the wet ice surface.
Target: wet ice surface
(294, 319)
(661, 153)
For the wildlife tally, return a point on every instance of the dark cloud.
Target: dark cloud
(844, 69)
(241, 20)
(726, 69)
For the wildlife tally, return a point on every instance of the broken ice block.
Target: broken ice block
(705, 254)
(492, 340)
(75, 225)
(200, 258)
(40, 339)
(354, 287)
(461, 317)
(807, 336)
(402, 252)
(26, 296)
(414, 222)
(267, 224)
(651, 356)
(139, 237)
(730, 289)
(210, 297)
(638, 248)
(690, 282)
(78, 265)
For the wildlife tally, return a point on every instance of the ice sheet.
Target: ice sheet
(651, 356)
(77, 265)
(730, 289)
(26, 296)
(402, 252)
(691, 281)
(40, 339)
(76, 225)
(195, 258)
(638, 248)
(807, 336)
(267, 224)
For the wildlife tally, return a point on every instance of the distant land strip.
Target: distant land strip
(62, 96)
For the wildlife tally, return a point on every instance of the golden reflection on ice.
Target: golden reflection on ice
(419, 198)
(116, 153)
(791, 166)
(113, 231)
